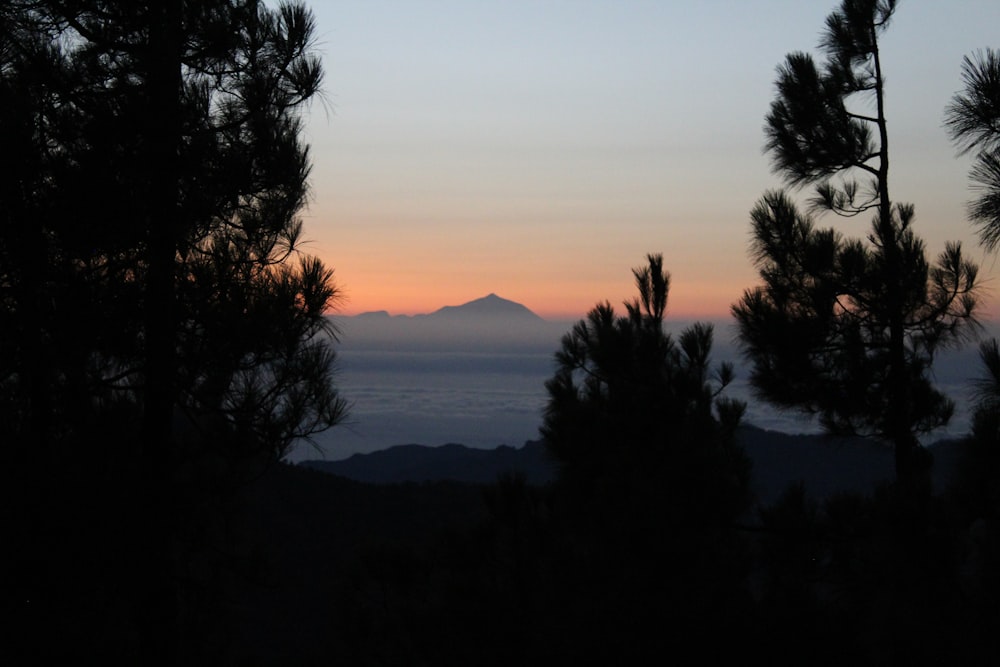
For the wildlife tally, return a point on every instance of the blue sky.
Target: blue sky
(539, 150)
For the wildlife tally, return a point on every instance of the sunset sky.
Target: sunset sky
(540, 149)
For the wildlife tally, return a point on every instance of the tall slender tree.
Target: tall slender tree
(848, 328)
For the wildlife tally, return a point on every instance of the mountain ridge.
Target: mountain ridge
(825, 465)
(490, 305)
(449, 462)
(487, 324)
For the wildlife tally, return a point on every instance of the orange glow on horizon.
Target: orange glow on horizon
(556, 302)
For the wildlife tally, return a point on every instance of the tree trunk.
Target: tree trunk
(156, 582)
(898, 429)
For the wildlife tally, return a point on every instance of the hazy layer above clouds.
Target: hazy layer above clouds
(475, 374)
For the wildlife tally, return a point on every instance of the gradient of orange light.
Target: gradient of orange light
(439, 182)
(553, 286)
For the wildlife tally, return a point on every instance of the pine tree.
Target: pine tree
(634, 411)
(973, 121)
(651, 480)
(162, 334)
(848, 328)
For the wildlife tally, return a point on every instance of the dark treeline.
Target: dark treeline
(162, 337)
(163, 342)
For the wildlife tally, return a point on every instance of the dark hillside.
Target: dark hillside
(825, 465)
(420, 463)
(313, 534)
(433, 573)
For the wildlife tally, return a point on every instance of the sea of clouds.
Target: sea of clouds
(477, 394)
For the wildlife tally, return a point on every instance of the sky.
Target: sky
(541, 149)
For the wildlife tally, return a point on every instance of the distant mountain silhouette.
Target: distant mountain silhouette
(376, 315)
(489, 306)
(488, 324)
(825, 465)
(420, 463)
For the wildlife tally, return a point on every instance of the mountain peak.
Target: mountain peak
(490, 305)
(375, 314)
(489, 323)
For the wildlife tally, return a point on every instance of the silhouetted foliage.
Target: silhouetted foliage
(430, 574)
(973, 121)
(977, 484)
(865, 580)
(162, 337)
(628, 401)
(651, 481)
(848, 328)
(247, 328)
